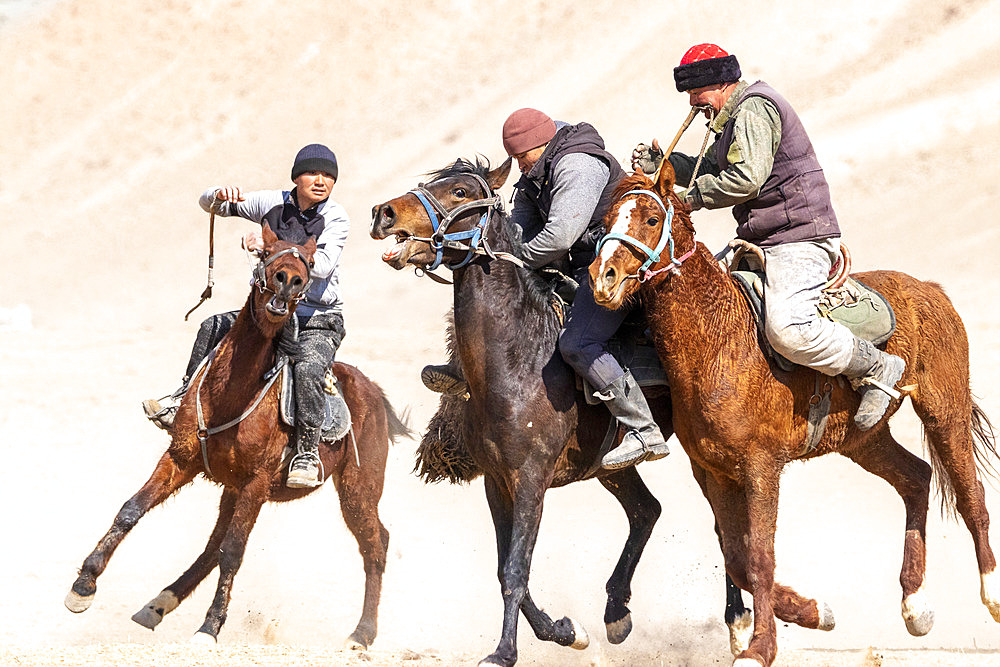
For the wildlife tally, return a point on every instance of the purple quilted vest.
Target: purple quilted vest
(794, 203)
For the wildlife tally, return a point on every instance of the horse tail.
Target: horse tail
(984, 449)
(397, 424)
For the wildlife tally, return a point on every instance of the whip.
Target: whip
(207, 294)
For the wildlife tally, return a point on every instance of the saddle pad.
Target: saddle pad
(336, 415)
(855, 305)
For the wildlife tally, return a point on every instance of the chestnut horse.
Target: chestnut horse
(248, 461)
(527, 425)
(744, 419)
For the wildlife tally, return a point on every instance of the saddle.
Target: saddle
(846, 300)
(337, 416)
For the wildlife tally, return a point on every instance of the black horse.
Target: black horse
(527, 425)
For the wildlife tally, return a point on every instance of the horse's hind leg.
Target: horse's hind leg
(910, 476)
(511, 572)
(359, 504)
(167, 477)
(249, 500)
(642, 510)
(950, 433)
(171, 596)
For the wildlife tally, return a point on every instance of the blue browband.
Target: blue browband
(666, 237)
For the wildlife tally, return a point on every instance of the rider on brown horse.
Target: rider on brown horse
(764, 166)
(565, 189)
(305, 211)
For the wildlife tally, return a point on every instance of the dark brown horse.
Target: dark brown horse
(247, 459)
(527, 426)
(745, 419)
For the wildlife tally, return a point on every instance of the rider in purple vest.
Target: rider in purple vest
(763, 165)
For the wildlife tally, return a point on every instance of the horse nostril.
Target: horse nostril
(609, 277)
(280, 277)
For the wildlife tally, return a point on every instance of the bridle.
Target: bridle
(652, 254)
(260, 273)
(473, 241)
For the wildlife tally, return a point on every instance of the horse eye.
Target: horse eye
(460, 193)
(653, 222)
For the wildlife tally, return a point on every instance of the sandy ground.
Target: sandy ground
(117, 116)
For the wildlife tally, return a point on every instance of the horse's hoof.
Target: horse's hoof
(826, 619)
(154, 611)
(582, 639)
(492, 660)
(204, 639)
(78, 603)
(917, 614)
(740, 632)
(619, 630)
(987, 583)
(352, 644)
(747, 662)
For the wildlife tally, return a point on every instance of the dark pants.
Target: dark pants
(320, 336)
(584, 342)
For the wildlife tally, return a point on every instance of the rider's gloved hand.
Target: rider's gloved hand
(647, 158)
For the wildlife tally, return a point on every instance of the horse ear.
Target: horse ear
(665, 177)
(498, 176)
(310, 247)
(268, 236)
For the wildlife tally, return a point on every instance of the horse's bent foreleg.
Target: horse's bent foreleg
(167, 477)
(910, 476)
(171, 596)
(359, 505)
(513, 585)
(642, 510)
(249, 500)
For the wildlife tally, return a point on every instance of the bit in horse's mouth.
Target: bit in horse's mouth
(402, 240)
(277, 307)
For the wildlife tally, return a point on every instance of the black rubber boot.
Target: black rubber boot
(304, 468)
(643, 441)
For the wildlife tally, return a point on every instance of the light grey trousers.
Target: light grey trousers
(795, 275)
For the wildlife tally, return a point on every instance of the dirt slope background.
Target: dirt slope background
(117, 115)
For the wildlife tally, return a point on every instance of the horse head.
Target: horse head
(281, 278)
(443, 221)
(644, 225)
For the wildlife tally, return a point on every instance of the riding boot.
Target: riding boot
(873, 373)
(162, 411)
(643, 440)
(304, 468)
(445, 379)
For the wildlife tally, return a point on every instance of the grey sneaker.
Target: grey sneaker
(303, 472)
(161, 414)
(444, 380)
(876, 390)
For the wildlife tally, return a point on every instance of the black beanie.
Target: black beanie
(315, 157)
(707, 72)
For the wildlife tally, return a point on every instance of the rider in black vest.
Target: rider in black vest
(565, 189)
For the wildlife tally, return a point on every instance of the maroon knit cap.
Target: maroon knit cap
(526, 129)
(706, 65)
